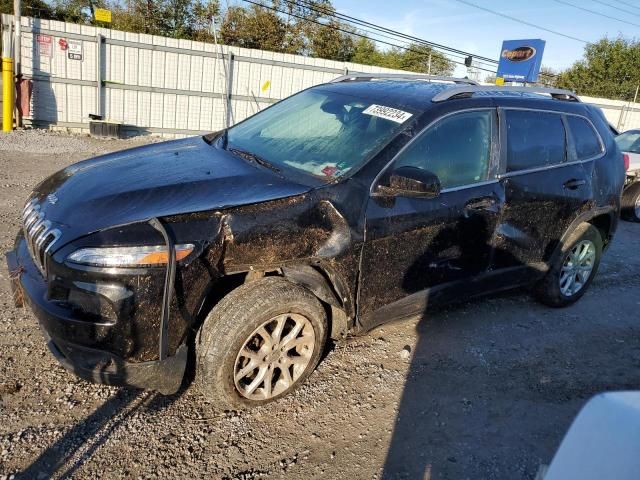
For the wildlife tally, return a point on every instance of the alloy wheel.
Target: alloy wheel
(577, 267)
(274, 356)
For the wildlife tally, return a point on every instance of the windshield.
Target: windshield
(324, 133)
(629, 142)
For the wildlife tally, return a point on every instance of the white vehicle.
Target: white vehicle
(602, 442)
(629, 143)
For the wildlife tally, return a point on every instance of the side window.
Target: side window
(457, 149)
(534, 139)
(584, 137)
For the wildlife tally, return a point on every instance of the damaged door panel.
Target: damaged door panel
(546, 188)
(437, 240)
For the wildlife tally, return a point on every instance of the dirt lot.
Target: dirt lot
(486, 391)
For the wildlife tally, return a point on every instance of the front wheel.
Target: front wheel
(574, 268)
(259, 343)
(631, 203)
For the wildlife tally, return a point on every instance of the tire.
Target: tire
(630, 210)
(556, 289)
(233, 326)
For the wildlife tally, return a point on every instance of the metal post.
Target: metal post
(17, 12)
(100, 87)
(17, 17)
(229, 119)
(429, 65)
(226, 101)
(620, 122)
(7, 77)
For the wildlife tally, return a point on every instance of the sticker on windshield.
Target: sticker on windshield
(388, 113)
(330, 170)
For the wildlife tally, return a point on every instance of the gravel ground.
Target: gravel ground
(478, 390)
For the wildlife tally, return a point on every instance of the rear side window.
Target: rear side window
(534, 140)
(629, 142)
(584, 137)
(457, 149)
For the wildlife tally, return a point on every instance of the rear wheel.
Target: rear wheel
(574, 269)
(631, 203)
(259, 343)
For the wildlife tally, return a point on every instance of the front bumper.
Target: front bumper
(61, 326)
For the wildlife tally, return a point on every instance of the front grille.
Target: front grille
(38, 233)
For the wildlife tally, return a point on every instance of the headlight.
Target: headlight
(128, 256)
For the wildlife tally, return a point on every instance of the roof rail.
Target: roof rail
(555, 93)
(402, 76)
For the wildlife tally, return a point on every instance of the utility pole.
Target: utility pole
(7, 77)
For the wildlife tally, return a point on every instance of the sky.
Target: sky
(458, 25)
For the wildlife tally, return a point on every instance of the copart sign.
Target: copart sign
(520, 60)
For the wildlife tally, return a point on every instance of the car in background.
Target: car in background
(629, 143)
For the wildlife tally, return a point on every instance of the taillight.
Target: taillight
(625, 157)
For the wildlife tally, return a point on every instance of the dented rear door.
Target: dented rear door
(545, 188)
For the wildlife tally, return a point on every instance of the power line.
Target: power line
(397, 35)
(350, 19)
(594, 12)
(470, 4)
(354, 33)
(359, 22)
(616, 7)
(629, 5)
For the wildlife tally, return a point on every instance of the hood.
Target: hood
(168, 178)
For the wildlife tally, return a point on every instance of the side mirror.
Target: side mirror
(411, 182)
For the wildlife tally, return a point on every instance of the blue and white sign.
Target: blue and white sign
(520, 60)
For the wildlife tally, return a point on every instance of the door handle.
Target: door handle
(486, 204)
(574, 183)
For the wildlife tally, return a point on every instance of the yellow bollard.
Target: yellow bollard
(7, 94)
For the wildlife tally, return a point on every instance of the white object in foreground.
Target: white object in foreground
(603, 441)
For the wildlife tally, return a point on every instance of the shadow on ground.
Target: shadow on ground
(67, 455)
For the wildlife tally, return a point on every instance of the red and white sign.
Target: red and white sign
(44, 45)
(63, 44)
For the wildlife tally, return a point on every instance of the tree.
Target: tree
(365, 52)
(256, 27)
(415, 58)
(326, 41)
(32, 8)
(280, 26)
(176, 18)
(610, 68)
(76, 11)
(138, 16)
(203, 16)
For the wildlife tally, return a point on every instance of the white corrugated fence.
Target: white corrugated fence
(155, 84)
(172, 87)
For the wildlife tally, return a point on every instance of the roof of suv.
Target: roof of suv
(417, 94)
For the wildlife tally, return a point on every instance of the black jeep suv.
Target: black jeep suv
(335, 210)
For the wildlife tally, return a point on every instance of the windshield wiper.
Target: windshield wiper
(252, 157)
